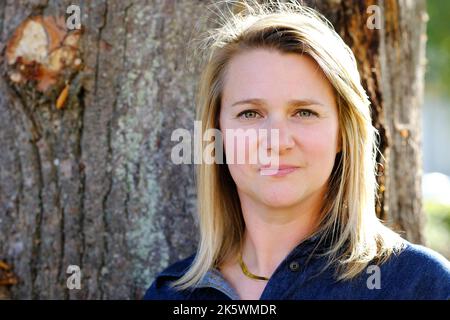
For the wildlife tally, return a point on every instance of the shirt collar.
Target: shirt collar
(214, 278)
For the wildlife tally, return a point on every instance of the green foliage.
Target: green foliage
(437, 77)
(437, 229)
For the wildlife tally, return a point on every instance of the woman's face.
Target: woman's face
(307, 127)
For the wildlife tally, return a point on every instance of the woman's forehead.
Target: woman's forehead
(271, 75)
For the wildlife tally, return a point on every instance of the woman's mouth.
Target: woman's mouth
(277, 171)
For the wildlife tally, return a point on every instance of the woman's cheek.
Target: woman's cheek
(240, 155)
(320, 148)
(241, 147)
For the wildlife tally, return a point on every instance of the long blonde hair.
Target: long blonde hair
(348, 213)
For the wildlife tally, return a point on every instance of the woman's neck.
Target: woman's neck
(272, 233)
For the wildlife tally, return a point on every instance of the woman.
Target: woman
(306, 229)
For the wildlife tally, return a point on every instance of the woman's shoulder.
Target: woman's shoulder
(423, 257)
(160, 289)
(418, 269)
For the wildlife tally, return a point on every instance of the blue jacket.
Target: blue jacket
(415, 273)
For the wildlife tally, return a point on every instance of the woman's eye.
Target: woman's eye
(306, 113)
(248, 114)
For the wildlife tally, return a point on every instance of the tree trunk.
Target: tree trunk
(88, 180)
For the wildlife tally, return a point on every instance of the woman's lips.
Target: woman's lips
(277, 172)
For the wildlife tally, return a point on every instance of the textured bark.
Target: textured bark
(92, 184)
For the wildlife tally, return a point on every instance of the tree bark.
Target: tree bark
(91, 184)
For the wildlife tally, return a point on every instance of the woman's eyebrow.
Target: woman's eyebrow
(294, 102)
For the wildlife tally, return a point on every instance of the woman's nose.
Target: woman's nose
(279, 135)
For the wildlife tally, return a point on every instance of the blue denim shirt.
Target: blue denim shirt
(415, 273)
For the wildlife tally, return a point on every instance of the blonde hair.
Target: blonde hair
(348, 213)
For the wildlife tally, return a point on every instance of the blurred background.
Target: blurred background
(436, 129)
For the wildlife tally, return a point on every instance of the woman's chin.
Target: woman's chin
(279, 198)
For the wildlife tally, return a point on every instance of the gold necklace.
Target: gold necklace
(248, 273)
